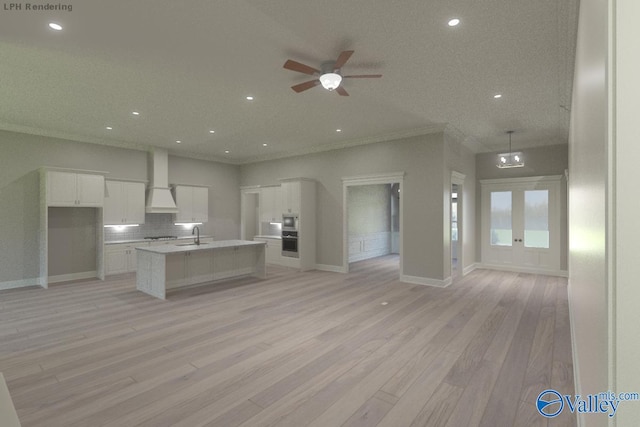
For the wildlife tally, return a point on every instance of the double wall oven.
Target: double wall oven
(290, 235)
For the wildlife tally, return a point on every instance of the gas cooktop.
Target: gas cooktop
(162, 238)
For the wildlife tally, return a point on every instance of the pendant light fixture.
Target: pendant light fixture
(511, 159)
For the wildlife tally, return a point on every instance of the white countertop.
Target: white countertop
(264, 236)
(174, 249)
(115, 242)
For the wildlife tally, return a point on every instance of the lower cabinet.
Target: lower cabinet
(189, 268)
(273, 248)
(233, 261)
(121, 258)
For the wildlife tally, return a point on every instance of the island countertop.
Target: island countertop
(180, 248)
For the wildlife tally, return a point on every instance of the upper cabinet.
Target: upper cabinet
(291, 193)
(192, 202)
(124, 203)
(74, 189)
(271, 204)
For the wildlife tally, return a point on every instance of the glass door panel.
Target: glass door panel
(501, 227)
(536, 219)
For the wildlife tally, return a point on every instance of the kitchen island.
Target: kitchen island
(162, 268)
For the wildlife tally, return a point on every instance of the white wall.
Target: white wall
(587, 205)
(626, 151)
(420, 157)
(603, 151)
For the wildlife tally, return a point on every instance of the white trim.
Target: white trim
(12, 284)
(331, 268)
(383, 178)
(426, 281)
(469, 268)
(576, 379)
(457, 178)
(73, 276)
(522, 180)
(529, 270)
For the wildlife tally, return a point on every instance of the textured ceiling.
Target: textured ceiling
(188, 66)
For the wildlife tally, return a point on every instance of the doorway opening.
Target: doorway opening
(250, 215)
(372, 221)
(455, 247)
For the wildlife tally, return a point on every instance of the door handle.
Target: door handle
(517, 240)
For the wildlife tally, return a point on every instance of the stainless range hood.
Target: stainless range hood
(159, 198)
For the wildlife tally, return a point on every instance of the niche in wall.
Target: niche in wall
(72, 245)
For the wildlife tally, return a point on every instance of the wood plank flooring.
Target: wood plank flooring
(297, 349)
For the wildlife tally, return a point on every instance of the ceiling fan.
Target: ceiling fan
(329, 74)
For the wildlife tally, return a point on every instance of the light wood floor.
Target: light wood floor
(318, 349)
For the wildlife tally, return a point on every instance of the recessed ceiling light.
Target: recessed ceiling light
(226, 151)
(249, 98)
(55, 26)
(453, 22)
(338, 130)
(109, 128)
(264, 144)
(135, 113)
(212, 131)
(179, 142)
(497, 95)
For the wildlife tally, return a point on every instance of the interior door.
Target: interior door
(521, 223)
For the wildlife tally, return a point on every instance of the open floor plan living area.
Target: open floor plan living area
(327, 214)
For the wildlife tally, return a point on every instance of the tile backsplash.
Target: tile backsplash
(155, 225)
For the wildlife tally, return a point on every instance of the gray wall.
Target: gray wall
(22, 156)
(539, 161)
(419, 157)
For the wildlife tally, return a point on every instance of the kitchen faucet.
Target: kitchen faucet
(197, 239)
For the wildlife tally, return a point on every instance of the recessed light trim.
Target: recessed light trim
(226, 151)
(264, 144)
(109, 128)
(55, 26)
(178, 141)
(212, 131)
(250, 98)
(338, 130)
(135, 113)
(497, 96)
(453, 22)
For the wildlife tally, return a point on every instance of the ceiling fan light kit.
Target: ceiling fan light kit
(512, 159)
(330, 77)
(330, 81)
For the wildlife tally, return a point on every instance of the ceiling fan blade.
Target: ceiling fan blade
(301, 68)
(305, 86)
(341, 91)
(363, 76)
(343, 58)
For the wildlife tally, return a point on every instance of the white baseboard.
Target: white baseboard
(576, 378)
(469, 268)
(331, 268)
(427, 281)
(12, 284)
(73, 276)
(559, 273)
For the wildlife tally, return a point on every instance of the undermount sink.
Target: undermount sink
(190, 244)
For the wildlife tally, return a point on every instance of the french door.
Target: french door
(521, 223)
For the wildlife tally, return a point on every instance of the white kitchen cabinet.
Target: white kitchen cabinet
(189, 268)
(271, 204)
(124, 203)
(74, 189)
(192, 203)
(121, 257)
(291, 196)
(273, 249)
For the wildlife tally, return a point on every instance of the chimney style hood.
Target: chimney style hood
(159, 199)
